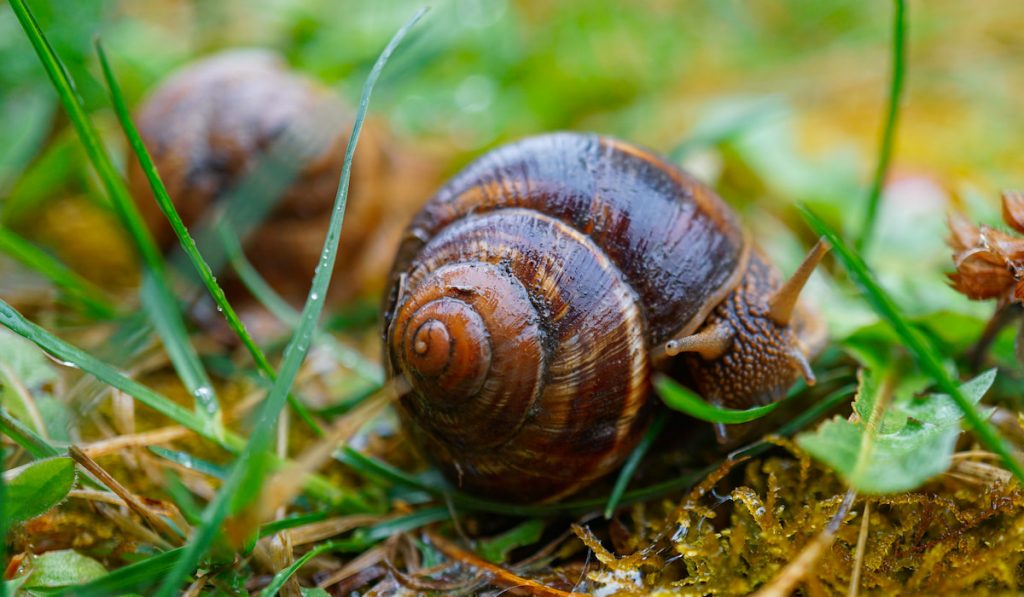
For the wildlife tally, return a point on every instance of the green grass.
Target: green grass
(66, 353)
(899, 29)
(373, 468)
(82, 292)
(361, 540)
(127, 579)
(684, 400)
(185, 239)
(213, 431)
(629, 467)
(279, 308)
(927, 358)
(25, 437)
(157, 298)
(247, 474)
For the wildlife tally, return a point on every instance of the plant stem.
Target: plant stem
(889, 131)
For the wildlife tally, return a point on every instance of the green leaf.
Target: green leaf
(927, 357)
(892, 446)
(23, 370)
(36, 487)
(61, 569)
(686, 401)
(496, 550)
(138, 576)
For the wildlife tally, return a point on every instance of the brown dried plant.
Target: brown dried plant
(989, 262)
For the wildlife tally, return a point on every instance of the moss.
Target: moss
(736, 532)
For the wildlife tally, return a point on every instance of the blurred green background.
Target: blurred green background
(777, 101)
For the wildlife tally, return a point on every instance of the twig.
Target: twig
(783, 584)
(149, 438)
(500, 576)
(363, 561)
(133, 502)
(862, 542)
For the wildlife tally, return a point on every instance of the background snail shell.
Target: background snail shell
(534, 294)
(211, 123)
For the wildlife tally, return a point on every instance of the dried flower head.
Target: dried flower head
(990, 263)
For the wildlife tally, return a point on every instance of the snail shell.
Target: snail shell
(210, 127)
(535, 293)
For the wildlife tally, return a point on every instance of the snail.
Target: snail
(534, 295)
(212, 125)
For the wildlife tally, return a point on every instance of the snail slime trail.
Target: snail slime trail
(535, 294)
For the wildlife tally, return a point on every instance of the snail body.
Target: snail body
(243, 117)
(535, 293)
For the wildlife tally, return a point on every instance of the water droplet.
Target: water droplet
(314, 296)
(204, 395)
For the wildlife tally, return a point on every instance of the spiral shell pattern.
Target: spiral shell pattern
(525, 300)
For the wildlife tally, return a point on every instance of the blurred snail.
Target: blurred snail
(210, 127)
(534, 295)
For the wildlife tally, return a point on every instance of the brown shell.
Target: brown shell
(574, 254)
(209, 127)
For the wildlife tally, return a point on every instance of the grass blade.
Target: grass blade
(371, 467)
(626, 474)
(127, 579)
(82, 291)
(184, 238)
(285, 313)
(344, 545)
(899, 28)
(359, 542)
(156, 294)
(67, 353)
(25, 437)
(247, 470)
(925, 355)
(684, 400)
(213, 431)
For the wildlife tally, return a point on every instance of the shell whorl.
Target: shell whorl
(603, 251)
(562, 343)
(468, 338)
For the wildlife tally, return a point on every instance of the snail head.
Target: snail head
(757, 341)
